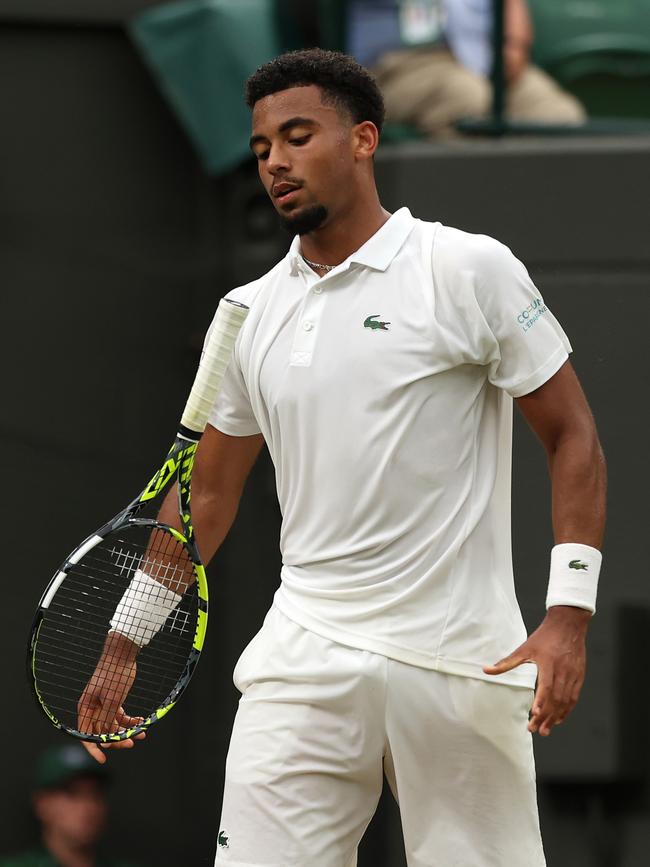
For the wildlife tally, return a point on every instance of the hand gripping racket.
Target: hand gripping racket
(120, 627)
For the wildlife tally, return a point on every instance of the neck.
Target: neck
(345, 233)
(68, 855)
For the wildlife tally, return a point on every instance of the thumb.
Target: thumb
(516, 658)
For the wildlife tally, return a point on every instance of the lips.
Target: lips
(283, 189)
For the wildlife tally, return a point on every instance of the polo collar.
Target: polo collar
(378, 251)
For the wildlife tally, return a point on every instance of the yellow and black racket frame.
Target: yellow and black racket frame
(178, 464)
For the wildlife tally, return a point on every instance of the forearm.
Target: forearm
(213, 513)
(145, 604)
(579, 485)
(557, 646)
(518, 23)
(560, 416)
(578, 478)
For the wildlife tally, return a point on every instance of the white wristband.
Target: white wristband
(574, 576)
(143, 609)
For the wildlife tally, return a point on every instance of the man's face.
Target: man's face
(76, 813)
(305, 153)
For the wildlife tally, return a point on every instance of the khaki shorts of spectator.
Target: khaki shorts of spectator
(320, 723)
(429, 89)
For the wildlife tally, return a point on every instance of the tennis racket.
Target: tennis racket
(120, 627)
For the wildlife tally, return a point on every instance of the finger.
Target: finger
(507, 663)
(85, 718)
(560, 692)
(93, 750)
(560, 702)
(547, 725)
(103, 727)
(139, 737)
(564, 707)
(128, 721)
(552, 705)
(542, 723)
(575, 694)
(538, 714)
(568, 701)
(126, 744)
(539, 710)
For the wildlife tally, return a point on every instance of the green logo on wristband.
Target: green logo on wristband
(578, 564)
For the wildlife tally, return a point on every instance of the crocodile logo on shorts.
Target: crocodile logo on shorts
(372, 323)
(222, 839)
(578, 564)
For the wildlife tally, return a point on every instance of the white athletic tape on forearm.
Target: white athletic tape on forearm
(216, 355)
(143, 609)
(574, 576)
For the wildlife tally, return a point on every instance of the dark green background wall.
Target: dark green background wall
(106, 223)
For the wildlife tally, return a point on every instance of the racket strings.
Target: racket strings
(164, 559)
(72, 636)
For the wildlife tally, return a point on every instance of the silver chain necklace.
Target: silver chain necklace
(316, 265)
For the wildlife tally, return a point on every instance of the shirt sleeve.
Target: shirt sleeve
(232, 412)
(528, 345)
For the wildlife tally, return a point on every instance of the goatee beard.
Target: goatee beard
(305, 221)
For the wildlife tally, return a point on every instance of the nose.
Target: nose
(277, 161)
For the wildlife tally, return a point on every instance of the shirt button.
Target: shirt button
(317, 290)
(308, 326)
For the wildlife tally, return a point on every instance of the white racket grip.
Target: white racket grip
(216, 356)
(143, 609)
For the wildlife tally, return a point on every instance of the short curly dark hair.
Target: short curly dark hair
(342, 80)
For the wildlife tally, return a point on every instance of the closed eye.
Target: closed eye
(297, 141)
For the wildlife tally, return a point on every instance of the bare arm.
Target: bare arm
(560, 416)
(518, 38)
(221, 468)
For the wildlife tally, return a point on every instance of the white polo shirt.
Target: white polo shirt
(384, 393)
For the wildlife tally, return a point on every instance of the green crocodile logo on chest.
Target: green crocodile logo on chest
(372, 323)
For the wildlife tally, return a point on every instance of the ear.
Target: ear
(40, 805)
(366, 140)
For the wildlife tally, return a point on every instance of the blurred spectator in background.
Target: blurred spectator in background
(433, 58)
(69, 801)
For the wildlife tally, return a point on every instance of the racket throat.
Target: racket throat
(185, 433)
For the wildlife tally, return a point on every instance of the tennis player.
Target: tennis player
(379, 364)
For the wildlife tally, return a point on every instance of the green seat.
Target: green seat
(600, 50)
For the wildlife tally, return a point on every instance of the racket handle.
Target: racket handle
(216, 356)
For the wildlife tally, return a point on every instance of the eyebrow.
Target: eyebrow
(288, 124)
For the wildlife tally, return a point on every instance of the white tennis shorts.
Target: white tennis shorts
(319, 724)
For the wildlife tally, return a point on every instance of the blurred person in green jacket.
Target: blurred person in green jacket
(69, 801)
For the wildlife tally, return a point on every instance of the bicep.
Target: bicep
(223, 462)
(558, 408)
